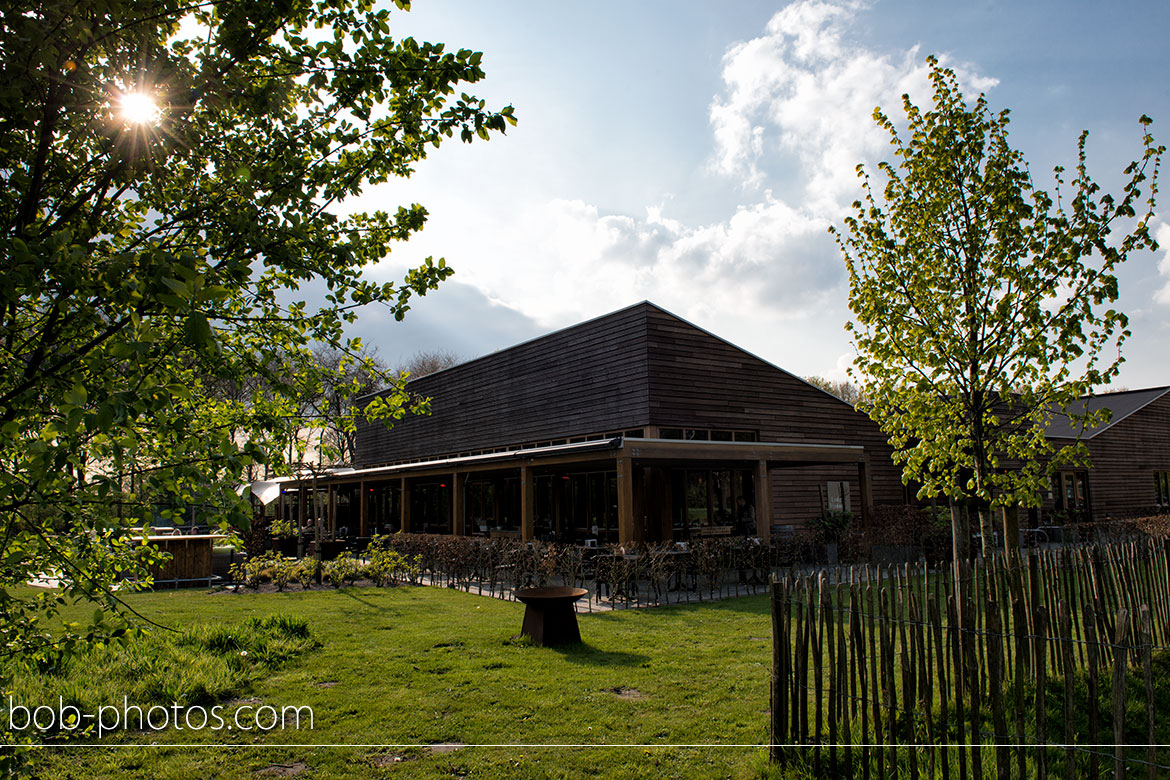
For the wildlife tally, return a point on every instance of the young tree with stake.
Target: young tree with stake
(982, 305)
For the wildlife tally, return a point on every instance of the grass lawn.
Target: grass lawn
(416, 666)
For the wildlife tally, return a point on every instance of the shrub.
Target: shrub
(249, 572)
(282, 528)
(342, 570)
(308, 571)
(282, 570)
(387, 566)
(830, 527)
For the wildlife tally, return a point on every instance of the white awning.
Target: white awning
(267, 492)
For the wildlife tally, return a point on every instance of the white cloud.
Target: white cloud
(803, 94)
(797, 101)
(793, 119)
(767, 257)
(1162, 235)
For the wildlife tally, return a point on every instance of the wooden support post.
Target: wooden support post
(458, 514)
(558, 509)
(363, 509)
(333, 511)
(497, 501)
(763, 502)
(527, 502)
(625, 497)
(866, 492)
(302, 504)
(404, 506)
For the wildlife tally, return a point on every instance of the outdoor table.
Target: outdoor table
(549, 617)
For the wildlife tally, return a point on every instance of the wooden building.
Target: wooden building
(1130, 459)
(635, 426)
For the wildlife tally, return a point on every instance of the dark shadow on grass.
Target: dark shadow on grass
(352, 592)
(586, 654)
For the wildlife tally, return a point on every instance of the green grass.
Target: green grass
(414, 666)
(201, 665)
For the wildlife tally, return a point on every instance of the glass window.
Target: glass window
(720, 435)
(481, 506)
(745, 436)
(1072, 492)
(1162, 487)
(670, 433)
(838, 497)
(695, 434)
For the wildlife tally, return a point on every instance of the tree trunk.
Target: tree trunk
(1011, 548)
(960, 548)
(1011, 530)
(960, 533)
(986, 531)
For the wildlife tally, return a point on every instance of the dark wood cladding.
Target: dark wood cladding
(700, 380)
(637, 367)
(1124, 459)
(588, 379)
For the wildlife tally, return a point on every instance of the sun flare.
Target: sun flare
(139, 108)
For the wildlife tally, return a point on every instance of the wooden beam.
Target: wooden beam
(763, 502)
(793, 452)
(458, 504)
(625, 497)
(404, 505)
(527, 504)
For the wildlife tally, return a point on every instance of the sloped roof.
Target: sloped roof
(615, 373)
(1122, 405)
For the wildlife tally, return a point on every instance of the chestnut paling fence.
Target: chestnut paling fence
(1053, 664)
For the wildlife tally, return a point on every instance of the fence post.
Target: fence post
(871, 599)
(1148, 668)
(956, 637)
(943, 690)
(1041, 622)
(995, 687)
(909, 697)
(1066, 654)
(818, 671)
(1120, 640)
(1091, 651)
(973, 680)
(779, 673)
(858, 634)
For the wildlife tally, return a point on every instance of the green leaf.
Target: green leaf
(198, 330)
(76, 395)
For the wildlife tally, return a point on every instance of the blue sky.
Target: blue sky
(694, 153)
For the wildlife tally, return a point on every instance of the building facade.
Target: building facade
(1129, 472)
(635, 426)
(639, 426)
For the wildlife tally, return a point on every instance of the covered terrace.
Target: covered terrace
(619, 489)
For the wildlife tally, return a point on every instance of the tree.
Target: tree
(983, 305)
(172, 175)
(338, 403)
(843, 389)
(426, 362)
